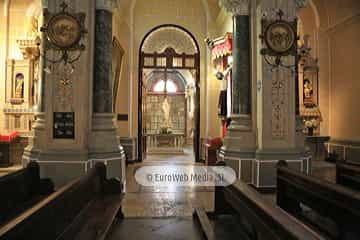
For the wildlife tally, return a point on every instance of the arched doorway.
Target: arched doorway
(165, 50)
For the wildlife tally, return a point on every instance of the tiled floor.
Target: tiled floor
(176, 228)
(168, 201)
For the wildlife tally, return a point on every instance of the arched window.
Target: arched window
(171, 87)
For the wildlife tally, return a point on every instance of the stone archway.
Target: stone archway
(169, 42)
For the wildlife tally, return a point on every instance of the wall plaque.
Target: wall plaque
(64, 125)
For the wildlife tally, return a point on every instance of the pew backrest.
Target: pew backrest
(348, 175)
(20, 189)
(266, 220)
(340, 204)
(50, 217)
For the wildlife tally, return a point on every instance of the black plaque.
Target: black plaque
(64, 125)
(123, 117)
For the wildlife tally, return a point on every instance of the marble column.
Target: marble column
(240, 145)
(104, 143)
(103, 95)
(241, 88)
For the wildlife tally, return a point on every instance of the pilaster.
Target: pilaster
(280, 134)
(95, 138)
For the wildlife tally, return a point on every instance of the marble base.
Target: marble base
(264, 171)
(259, 168)
(61, 172)
(130, 148)
(104, 145)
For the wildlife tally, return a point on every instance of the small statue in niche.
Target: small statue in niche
(19, 86)
(308, 93)
(166, 112)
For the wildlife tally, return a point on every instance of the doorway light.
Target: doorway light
(170, 86)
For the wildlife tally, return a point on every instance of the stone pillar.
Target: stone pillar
(241, 88)
(279, 126)
(239, 145)
(102, 93)
(104, 143)
(88, 96)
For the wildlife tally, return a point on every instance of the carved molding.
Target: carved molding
(236, 7)
(108, 5)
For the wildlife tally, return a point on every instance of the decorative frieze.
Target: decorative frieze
(279, 100)
(63, 88)
(235, 7)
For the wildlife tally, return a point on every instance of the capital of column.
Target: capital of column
(236, 7)
(301, 3)
(108, 5)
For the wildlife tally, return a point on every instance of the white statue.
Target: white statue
(166, 112)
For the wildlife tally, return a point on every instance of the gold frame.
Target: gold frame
(78, 19)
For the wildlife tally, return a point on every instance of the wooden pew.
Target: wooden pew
(332, 202)
(259, 219)
(83, 209)
(348, 175)
(21, 189)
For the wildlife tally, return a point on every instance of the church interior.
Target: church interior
(95, 93)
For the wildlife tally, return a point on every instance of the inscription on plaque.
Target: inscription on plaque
(64, 125)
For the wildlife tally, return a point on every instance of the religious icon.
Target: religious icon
(19, 86)
(280, 38)
(308, 93)
(64, 31)
(166, 112)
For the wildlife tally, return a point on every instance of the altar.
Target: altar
(166, 143)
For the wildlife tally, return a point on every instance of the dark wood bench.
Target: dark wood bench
(332, 206)
(348, 175)
(22, 189)
(83, 209)
(257, 217)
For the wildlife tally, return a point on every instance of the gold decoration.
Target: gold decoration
(64, 31)
(280, 38)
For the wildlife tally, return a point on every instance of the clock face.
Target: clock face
(280, 37)
(64, 31)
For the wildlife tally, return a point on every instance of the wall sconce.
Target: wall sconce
(219, 75)
(222, 75)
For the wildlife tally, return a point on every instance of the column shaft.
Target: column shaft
(241, 65)
(103, 95)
